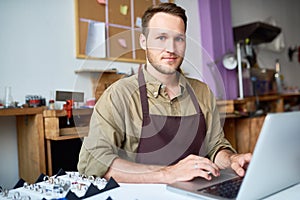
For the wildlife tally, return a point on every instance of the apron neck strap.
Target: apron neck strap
(143, 94)
(144, 98)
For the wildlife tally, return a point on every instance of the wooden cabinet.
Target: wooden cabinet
(243, 132)
(242, 122)
(63, 137)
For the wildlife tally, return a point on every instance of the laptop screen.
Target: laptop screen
(274, 165)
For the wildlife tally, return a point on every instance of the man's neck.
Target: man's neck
(169, 80)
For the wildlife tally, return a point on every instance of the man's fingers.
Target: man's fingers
(238, 169)
(206, 170)
(240, 163)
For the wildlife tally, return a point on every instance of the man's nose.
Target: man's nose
(170, 46)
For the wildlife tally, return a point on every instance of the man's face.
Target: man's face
(165, 43)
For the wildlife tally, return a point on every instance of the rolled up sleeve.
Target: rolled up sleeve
(215, 133)
(105, 137)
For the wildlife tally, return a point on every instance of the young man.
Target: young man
(158, 126)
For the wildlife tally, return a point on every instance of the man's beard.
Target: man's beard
(161, 68)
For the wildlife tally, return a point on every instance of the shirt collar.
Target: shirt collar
(153, 85)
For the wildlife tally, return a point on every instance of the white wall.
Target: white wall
(286, 14)
(37, 55)
(193, 57)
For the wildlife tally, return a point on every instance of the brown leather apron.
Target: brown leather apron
(167, 139)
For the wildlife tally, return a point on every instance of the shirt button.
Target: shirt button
(155, 94)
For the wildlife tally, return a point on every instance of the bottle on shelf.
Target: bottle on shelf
(278, 77)
(51, 105)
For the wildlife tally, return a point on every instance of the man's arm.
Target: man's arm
(188, 168)
(227, 156)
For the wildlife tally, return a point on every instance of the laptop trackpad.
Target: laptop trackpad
(199, 183)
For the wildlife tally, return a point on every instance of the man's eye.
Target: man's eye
(179, 39)
(162, 38)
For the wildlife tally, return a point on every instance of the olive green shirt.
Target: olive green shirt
(116, 122)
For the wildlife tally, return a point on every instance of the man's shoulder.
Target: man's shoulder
(195, 83)
(200, 88)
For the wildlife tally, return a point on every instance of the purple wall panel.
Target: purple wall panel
(217, 40)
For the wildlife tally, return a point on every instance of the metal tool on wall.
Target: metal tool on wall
(70, 98)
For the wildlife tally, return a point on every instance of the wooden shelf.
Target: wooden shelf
(61, 113)
(67, 137)
(82, 56)
(21, 111)
(70, 133)
(95, 71)
(226, 106)
(248, 104)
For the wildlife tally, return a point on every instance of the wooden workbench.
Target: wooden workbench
(36, 129)
(30, 136)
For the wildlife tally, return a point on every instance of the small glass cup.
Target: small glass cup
(8, 99)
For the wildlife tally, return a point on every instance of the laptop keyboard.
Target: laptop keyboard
(227, 189)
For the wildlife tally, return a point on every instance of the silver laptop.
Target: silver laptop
(275, 164)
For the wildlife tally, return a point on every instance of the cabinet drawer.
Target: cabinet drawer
(59, 127)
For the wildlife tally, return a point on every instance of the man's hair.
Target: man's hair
(169, 8)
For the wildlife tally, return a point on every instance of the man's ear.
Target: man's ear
(143, 41)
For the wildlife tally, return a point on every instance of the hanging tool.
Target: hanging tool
(68, 107)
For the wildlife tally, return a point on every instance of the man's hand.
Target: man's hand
(190, 167)
(239, 163)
